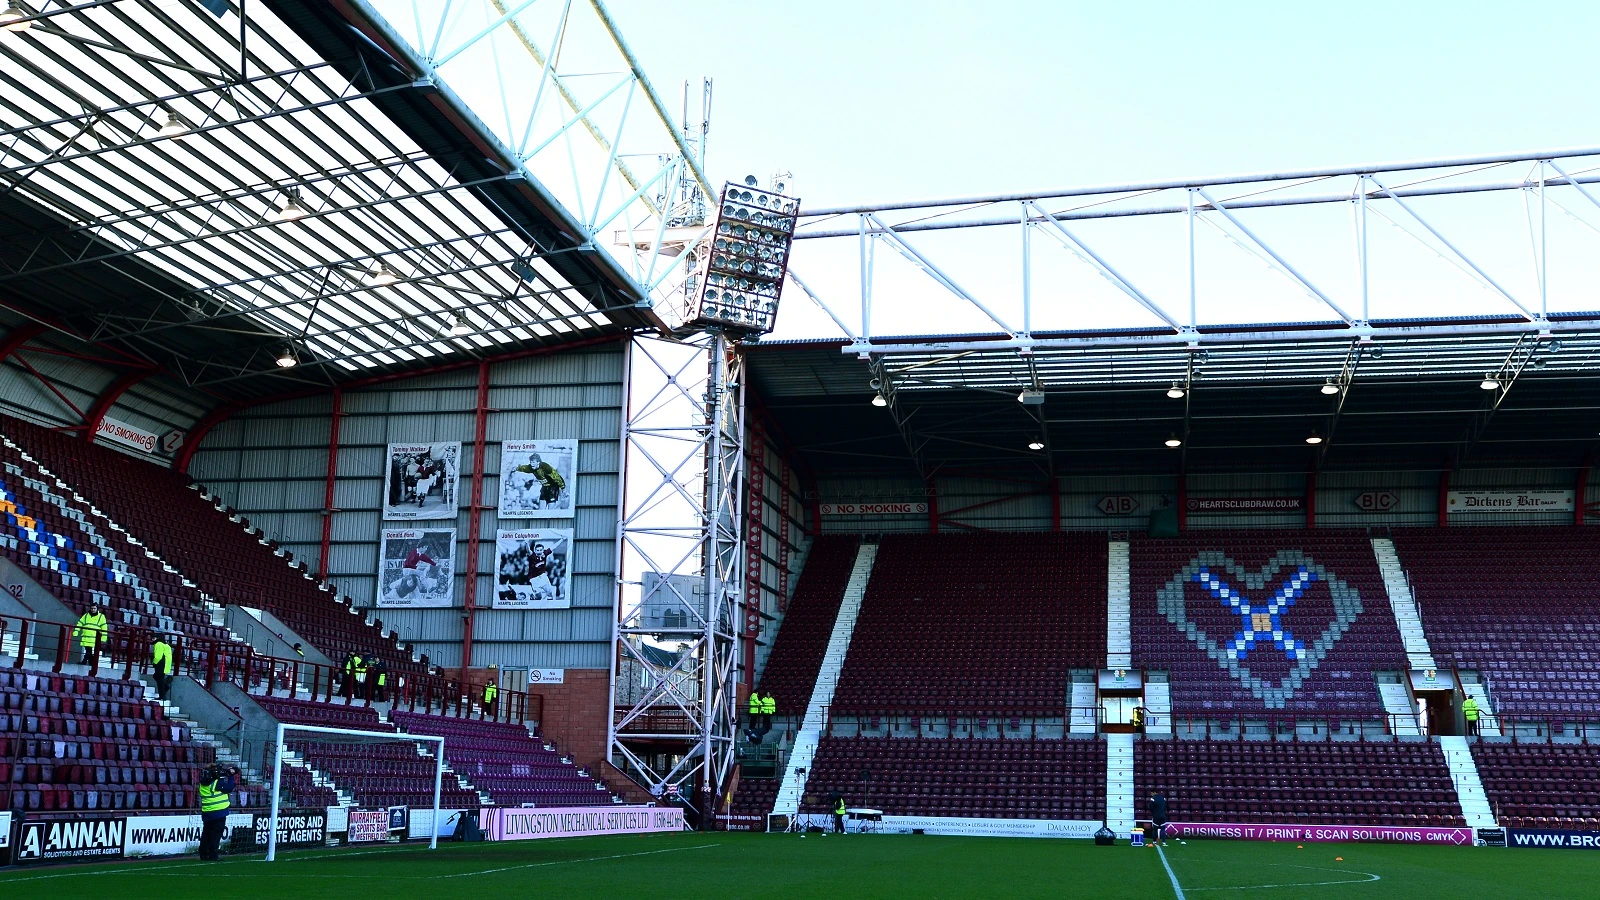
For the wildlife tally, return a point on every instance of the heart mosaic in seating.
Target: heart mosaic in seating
(1261, 628)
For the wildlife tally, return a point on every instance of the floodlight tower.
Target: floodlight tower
(676, 656)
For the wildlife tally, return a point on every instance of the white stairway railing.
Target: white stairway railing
(805, 742)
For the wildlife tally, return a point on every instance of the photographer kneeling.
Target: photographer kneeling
(217, 782)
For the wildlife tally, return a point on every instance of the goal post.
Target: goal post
(348, 736)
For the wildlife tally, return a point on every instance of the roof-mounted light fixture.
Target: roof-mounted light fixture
(382, 276)
(15, 18)
(1489, 382)
(1176, 392)
(460, 326)
(286, 358)
(1174, 441)
(291, 209)
(1329, 388)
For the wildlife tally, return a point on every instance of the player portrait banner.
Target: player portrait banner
(533, 569)
(420, 480)
(538, 479)
(416, 567)
(579, 821)
(1386, 834)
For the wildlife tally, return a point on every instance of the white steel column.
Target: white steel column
(674, 717)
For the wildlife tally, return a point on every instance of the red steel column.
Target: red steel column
(1311, 499)
(333, 472)
(754, 534)
(475, 513)
(107, 399)
(1580, 495)
(1444, 499)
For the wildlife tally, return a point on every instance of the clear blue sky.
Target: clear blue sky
(883, 99)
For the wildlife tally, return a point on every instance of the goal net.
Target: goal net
(381, 780)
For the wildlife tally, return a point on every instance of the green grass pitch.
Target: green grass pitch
(789, 866)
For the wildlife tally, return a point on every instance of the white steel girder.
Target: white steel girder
(673, 688)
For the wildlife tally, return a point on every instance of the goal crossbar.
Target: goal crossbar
(278, 749)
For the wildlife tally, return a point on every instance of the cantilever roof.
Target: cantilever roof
(173, 249)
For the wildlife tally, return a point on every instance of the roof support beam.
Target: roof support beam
(108, 398)
(18, 336)
(1293, 272)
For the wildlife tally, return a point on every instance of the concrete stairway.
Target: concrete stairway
(1158, 703)
(1085, 700)
(1488, 723)
(1403, 603)
(1119, 646)
(1469, 789)
(1398, 703)
(1119, 783)
(810, 733)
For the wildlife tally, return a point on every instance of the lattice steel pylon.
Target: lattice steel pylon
(679, 566)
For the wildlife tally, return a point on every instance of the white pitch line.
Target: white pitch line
(119, 870)
(558, 862)
(1299, 884)
(1176, 887)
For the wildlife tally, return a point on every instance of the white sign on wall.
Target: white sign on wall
(546, 676)
(874, 509)
(1511, 501)
(162, 835)
(127, 435)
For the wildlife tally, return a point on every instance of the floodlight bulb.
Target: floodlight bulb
(750, 180)
(11, 18)
(1176, 391)
(286, 358)
(1329, 388)
(1174, 441)
(460, 325)
(1489, 383)
(290, 211)
(1313, 438)
(174, 127)
(1036, 445)
(383, 276)
(877, 400)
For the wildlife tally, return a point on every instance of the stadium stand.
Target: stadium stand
(375, 774)
(1297, 782)
(205, 543)
(79, 559)
(976, 623)
(1520, 605)
(791, 670)
(993, 778)
(503, 760)
(1342, 682)
(79, 743)
(1541, 785)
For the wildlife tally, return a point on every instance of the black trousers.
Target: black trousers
(211, 837)
(838, 824)
(163, 684)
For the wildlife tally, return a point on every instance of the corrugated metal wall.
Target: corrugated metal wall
(271, 463)
(779, 570)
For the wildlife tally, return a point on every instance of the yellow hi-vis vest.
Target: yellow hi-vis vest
(839, 810)
(769, 705)
(755, 704)
(490, 692)
(161, 657)
(91, 629)
(211, 799)
(1469, 708)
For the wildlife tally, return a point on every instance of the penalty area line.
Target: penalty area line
(559, 862)
(1370, 878)
(1176, 887)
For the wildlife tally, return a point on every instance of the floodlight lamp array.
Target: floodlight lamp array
(744, 262)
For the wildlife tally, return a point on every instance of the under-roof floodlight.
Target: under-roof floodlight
(460, 325)
(1174, 441)
(877, 400)
(287, 359)
(1176, 391)
(15, 18)
(1036, 444)
(383, 276)
(1376, 352)
(876, 384)
(290, 210)
(1329, 388)
(174, 127)
(1031, 398)
(1554, 347)
(1313, 437)
(1489, 382)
